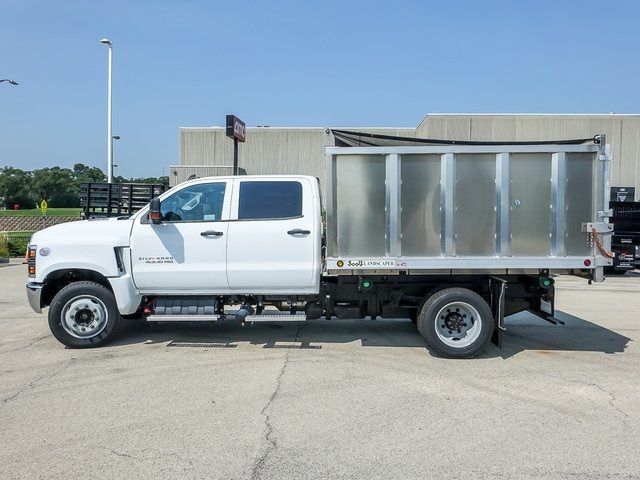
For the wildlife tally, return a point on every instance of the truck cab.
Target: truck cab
(224, 235)
(215, 237)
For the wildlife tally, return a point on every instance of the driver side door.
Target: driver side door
(187, 252)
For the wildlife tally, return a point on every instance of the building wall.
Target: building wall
(278, 150)
(182, 173)
(622, 131)
(267, 150)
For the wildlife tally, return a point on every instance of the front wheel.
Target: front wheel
(456, 323)
(84, 314)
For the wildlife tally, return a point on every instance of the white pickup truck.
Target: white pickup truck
(452, 237)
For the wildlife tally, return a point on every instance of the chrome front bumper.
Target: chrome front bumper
(34, 292)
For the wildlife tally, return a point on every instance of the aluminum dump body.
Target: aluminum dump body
(468, 208)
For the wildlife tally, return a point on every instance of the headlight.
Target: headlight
(31, 260)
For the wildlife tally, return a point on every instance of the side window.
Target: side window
(195, 203)
(270, 200)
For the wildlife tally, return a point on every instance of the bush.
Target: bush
(4, 246)
(14, 244)
(17, 247)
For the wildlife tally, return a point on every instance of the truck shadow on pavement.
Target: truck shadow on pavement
(524, 332)
(527, 332)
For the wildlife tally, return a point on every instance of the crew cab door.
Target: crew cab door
(274, 236)
(187, 251)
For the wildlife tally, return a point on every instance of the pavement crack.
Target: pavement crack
(612, 397)
(120, 454)
(39, 379)
(269, 438)
(27, 345)
(149, 457)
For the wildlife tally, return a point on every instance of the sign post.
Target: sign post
(43, 209)
(235, 128)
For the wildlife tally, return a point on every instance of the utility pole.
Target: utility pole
(109, 44)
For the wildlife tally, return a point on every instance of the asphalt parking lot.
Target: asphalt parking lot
(338, 399)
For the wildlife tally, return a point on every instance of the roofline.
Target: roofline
(437, 114)
(535, 114)
(216, 127)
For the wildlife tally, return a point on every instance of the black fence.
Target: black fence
(116, 199)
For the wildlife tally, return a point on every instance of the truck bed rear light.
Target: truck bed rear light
(31, 260)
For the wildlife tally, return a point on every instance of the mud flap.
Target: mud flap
(497, 287)
(544, 307)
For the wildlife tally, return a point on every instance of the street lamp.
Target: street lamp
(115, 137)
(107, 42)
(12, 82)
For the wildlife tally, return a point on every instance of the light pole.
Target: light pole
(107, 42)
(115, 137)
(12, 82)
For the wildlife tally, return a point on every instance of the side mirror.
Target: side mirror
(154, 211)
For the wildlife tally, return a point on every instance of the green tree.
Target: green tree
(155, 180)
(57, 185)
(86, 174)
(15, 187)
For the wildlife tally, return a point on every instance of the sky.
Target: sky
(294, 63)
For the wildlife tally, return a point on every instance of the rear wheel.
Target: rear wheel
(456, 323)
(84, 314)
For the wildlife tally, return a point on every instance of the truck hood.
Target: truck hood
(109, 232)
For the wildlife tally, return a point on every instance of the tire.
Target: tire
(83, 315)
(456, 323)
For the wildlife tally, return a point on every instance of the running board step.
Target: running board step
(183, 318)
(271, 317)
(276, 317)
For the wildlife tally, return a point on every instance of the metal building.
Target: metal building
(279, 150)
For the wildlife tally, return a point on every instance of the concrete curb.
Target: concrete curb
(10, 262)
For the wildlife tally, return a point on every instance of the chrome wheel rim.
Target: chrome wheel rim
(458, 324)
(84, 316)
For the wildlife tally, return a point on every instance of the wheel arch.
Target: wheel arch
(58, 279)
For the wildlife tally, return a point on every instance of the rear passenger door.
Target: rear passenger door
(272, 238)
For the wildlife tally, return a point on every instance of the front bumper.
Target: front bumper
(34, 292)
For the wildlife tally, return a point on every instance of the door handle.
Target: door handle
(211, 233)
(298, 231)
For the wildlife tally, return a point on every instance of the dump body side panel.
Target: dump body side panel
(468, 208)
